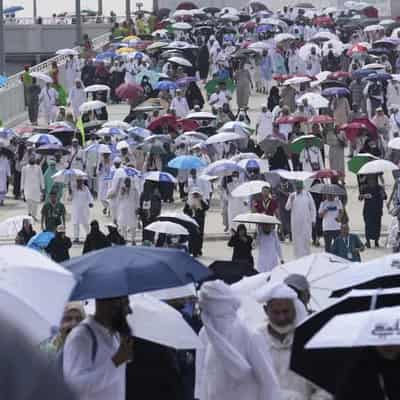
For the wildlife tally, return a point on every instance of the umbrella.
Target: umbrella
(379, 76)
(322, 270)
(328, 189)
(106, 55)
(256, 218)
(156, 176)
(324, 36)
(195, 135)
(236, 126)
(181, 26)
(327, 173)
(243, 156)
(394, 144)
(3, 80)
(168, 120)
(64, 134)
(291, 119)
(117, 124)
(139, 132)
(357, 48)
(65, 175)
(6, 133)
(24, 279)
(40, 241)
(42, 76)
(373, 66)
(293, 175)
(115, 132)
(377, 167)
(121, 270)
(187, 125)
(382, 272)
(283, 37)
(305, 51)
(254, 163)
(167, 227)
(298, 144)
(51, 149)
(201, 115)
(157, 45)
(363, 329)
(12, 9)
(129, 91)
(44, 138)
(166, 326)
(297, 80)
(224, 137)
(97, 88)
(374, 28)
(323, 369)
(335, 91)
(11, 226)
(359, 160)
(353, 129)
(180, 61)
(179, 217)
(186, 162)
(185, 81)
(321, 119)
(67, 52)
(314, 100)
(91, 106)
(221, 168)
(166, 85)
(124, 172)
(212, 85)
(250, 188)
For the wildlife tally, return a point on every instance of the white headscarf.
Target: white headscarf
(219, 307)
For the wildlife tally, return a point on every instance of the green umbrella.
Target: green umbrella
(359, 160)
(298, 144)
(211, 86)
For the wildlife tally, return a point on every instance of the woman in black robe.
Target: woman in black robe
(203, 61)
(194, 96)
(241, 242)
(373, 196)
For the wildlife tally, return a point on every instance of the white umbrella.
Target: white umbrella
(335, 45)
(230, 17)
(194, 134)
(179, 215)
(388, 21)
(325, 36)
(67, 52)
(221, 168)
(122, 144)
(43, 77)
(236, 126)
(180, 61)
(117, 124)
(373, 66)
(243, 156)
(305, 51)
(103, 149)
(166, 325)
(256, 218)
(33, 290)
(250, 188)
(322, 270)
(395, 33)
(293, 175)
(161, 32)
(314, 100)
(282, 37)
(223, 137)
(374, 28)
(157, 45)
(65, 175)
(228, 10)
(379, 327)
(169, 228)
(297, 80)
(91, 106)
(179, 292)
(201, 115)
(259, 46)
(97, 88)
(11, 226)
(394, 144)
(157, 176)
(181, 26)
(180, 13)
(377, 166)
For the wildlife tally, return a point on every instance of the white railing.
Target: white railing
(64, 20)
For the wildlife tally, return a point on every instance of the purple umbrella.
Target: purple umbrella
(335, 91)
(186, 80)
(264, 28)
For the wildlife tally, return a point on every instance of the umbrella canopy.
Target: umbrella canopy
(321, 119)
(328, 189)
(293, 175)
(201, 115)
(40, 241)
(254, 163)
(117, 124)
(65, 175)
(222, 168)
(11, 226)
(283, 37)
(180, 61)
(138, 132)
(167, 227)
(166, 85)
(186, 162)
(129, 91)
(120, 271)
(40, 139)
(157, 176)
(167, 120)
(224, 137)
(42, 76)
(353, 130)
(97, 88)
(305, 51)
(91, 106)
(377, 167)
(323, 369)
(181, 26)
(298, 144)
(291, 119)
(315, 100)
(366, 328)
(250, 188)
(335, 91)
(394, 144)
(327, 173)
(297, 80)
(6, 133)
(24, 279)
(236, 126)
(166, 326)
(256, 218)
(116, 132)
(51, 149)
(359, 160)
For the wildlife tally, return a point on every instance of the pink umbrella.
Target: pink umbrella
(129, 91)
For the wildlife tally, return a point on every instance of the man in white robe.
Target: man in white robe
(32, 186)
(48, 103)
(72, 71)
(180, 105)
(104, 176)
(5, 173)
(264, 124)
(311, 159)
(284, 312)
(236, 205)
(233, 363)
(303, 216)
(269, 248)
(77, 97)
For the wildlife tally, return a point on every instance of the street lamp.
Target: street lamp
(128, 9)
(100, 7)
(2, 48)
(78, 27)
(34, 11)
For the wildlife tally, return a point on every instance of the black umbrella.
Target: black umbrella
(211, 10)
(231, 271)
(323, 367)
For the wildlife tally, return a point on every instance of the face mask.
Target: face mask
(235, 179)
(283, 330)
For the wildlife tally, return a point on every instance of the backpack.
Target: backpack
(59, 359)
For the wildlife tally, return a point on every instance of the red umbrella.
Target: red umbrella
(353, 129)
(323, 21)
(339, 74)
(372, 130)
(167, 120)
(129, 91)
(186, 5)
(357, 48)
(187, 125)
(291, 119)
(321, 119)
(327, 173)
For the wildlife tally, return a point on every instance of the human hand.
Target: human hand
(124, 352)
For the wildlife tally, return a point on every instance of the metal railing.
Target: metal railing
(68, 20)
(12, 103)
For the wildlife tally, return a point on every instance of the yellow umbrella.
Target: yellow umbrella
(129, 38)
(125, 50)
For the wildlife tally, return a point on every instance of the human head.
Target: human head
(74, 314)
(300, 285)
(114, 311)
(241, 230)
(266, 190)
(32, 160)
(117, 162)
(53, 197)
(267, 228)
(344, 229)
(26, 224)
(299, 186)
(94, 226)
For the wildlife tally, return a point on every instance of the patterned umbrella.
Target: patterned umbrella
(328, 189)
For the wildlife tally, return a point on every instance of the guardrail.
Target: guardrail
(64, 20)
(12, 103)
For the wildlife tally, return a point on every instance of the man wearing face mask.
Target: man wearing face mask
(100, 375)
(284, 312)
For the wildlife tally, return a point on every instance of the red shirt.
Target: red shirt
(265, 206)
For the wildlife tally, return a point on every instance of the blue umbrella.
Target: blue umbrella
(6, 133)
(157, 176)
(41, 240)
(362, 73)
(139, 132)
(105, 55)
(3, 80)
(122, 270)
(335, 91)
(124, 172)
(186, 162)
(12, 9)
(40, 139)
(379, 76)
(186, 80)
(166, 85)
(264, 28)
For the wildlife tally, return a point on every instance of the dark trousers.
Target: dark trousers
(17, 184)
(329, 238)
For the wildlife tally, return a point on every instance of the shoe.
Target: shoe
(377, 244)
(368, 244)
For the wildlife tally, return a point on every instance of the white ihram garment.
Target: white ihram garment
(80, 211)
(128, 203)
(32, 184)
